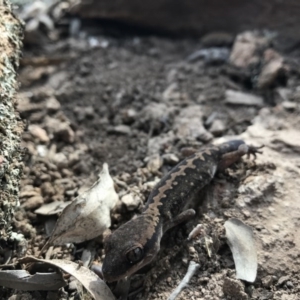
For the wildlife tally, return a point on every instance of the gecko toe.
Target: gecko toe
(253, 150)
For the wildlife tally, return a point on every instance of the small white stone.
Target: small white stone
(240, 98)
(170, 158)
(154, 163)
(131, 202)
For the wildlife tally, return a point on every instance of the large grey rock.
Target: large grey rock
(198, 17)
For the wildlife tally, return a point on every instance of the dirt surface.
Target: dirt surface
(138, 104)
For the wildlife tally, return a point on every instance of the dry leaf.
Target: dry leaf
(88, 216)
(242, 244)
(22, 280)
(96, 286)
(52, 208)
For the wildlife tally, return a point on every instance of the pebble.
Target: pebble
(155, 116)
(283, 279)
(120, 129)
(171, 92)
(185, 261)
(84, 112)
(270, 73)
(160, 142)
(41, 150)
(189, 124)
(245, 49)
(52, 104)
(60, 160)
(276, 228)
(246, 213)
(283, 94)
(33, 202)
(212, 117)
(26, 106)
(154, 163)
(129, 115)
(172, 75)
(38, 133)
(37, 117)
(267, 281)
(197, 294)
(74, 284)
(289, 105)
(60, 129)
(65, 133)
(170, 158)
(73, 158)
(192, 250)
(47, 189)
(149, 185)
(241, 98)
(57, 79)
(131, 202)
(234, 288)
(217, 127)
(71, 193)
(29, 191)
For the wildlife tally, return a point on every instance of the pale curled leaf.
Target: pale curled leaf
(88, 216)
(242, 244)
(22, 280)
(94, 285)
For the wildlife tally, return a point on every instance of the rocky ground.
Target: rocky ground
(140, 103)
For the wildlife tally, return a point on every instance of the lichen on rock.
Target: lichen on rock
(11, 126)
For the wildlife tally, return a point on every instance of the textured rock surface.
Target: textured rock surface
(10, 123)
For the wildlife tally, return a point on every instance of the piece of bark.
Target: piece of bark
(11, 127)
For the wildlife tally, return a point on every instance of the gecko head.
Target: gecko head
(129, 248)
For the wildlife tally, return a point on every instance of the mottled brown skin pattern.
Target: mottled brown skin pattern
(135, 244)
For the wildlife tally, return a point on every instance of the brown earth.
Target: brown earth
(121, 103)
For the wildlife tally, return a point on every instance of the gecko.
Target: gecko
(136, 243)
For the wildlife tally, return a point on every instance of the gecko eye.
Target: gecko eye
(134, 255)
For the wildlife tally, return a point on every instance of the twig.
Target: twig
(49, 252)
(193, 267)
(8, 265)
(195, 232)
(44, 249)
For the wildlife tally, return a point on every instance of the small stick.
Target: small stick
(44, 249)
(49, 252)
(193, 267)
